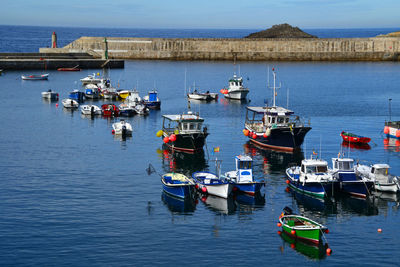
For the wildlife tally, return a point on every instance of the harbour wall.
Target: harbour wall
(302, 49)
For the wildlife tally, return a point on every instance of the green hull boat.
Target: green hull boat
(302, 228)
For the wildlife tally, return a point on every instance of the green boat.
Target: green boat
(302, 228)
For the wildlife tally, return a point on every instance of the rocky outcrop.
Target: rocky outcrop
(281, 31)
(392, 34)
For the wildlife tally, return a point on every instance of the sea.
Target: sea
(74, 194)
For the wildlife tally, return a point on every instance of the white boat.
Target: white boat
(50, 95)
(122, 128)
(92, 79)
(379, 174)
(92, 91)
(235, 89)
(195, 94)
(127, 110)
(90, 110)
(107, 91)
(141, 109)
(211, 184)
(134, 97)
(70, 103)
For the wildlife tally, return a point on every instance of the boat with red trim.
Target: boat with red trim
(275, 127)
(183, 132)
(110, 110)
(354, 138)
(70, 69)
(35, 77)
(392, 128)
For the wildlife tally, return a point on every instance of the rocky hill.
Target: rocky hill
(281, 31)
(392, 34)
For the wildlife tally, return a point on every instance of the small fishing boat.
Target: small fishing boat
(209, 183)
(35, 77)
(344, 173)
(122, 128)
(126, 110)
(92, 91)
(152, 101)
(123, 94)
(110, 110)
(311, 178)
(275, 127)
(50, 95)
(70, 69)
(353, 138)
(92, 79)
(195, 94)
(235, 89)
(183, 132)
(70, 103)
(392, 129)
(301, 227)
(177, 185)
(91, 110)
(134, 97)
(379, 174)
(242, 178)
(77, 95)
(141, 109)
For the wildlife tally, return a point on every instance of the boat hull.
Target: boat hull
(190, 143)
(314, 189)
(282, 138)
(250, 188)
(356, 139)
(350, 184)
(153, 104)
(386, 187)
(302, 228)
(392, 129)
(219, 190)
(237, 94)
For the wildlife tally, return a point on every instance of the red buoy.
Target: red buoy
(204, 189)
(328, 251)
(196, 186)
(293, 232)
(172, 137)
(287, 182)
(279, 232)
(113, 131)
(57, 105)
(326, 231)
(279, 224)
(386, 130)
(166, 139)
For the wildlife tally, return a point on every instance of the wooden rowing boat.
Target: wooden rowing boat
(353, 138)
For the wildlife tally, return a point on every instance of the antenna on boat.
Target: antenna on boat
(320, 147)
(274, 87)
(287, 98)
(390, 109)
(184, 93)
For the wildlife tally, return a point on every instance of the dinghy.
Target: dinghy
(50, 95)
(35, 77)
(353, 138)
(122, 128)
(70, 103)
(209, 183)
(91, 110)
(177, 185)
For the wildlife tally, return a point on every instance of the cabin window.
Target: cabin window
(287, 120)
(321, 169)
(346, 165)
(336, 165)
(311, 169)
(198, 126)
(269, 119)
(302, 168)
(382, 171)
(280, 120)
(245, 165)
(273, 120)
(191, 126)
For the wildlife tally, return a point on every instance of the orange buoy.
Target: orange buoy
(166, 139)
(279, 224)
(379, 230)
(398, 133)
(287, 182)
(385, 141)
(328, 251)
(397, 143)
(386, 130)
(246, 132)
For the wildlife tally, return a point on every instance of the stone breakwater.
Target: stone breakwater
(329, 49)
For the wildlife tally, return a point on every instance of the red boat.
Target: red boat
(353, 138)
(70, 69)
(110, 110)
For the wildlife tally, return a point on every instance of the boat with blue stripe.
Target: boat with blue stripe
(152, 101)
(177, 185)
(311, 178)
(242, 178)
(77, 95)
(209, 183)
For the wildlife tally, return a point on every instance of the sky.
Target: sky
(203, 14)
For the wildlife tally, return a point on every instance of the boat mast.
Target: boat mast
(390, 109)
(274, 87)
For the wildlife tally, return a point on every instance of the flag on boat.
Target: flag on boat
(216, 149)
(314, 153)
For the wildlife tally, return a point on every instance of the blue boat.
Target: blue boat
(92, 92)
(177, 185)
(242, 178)
(312, 178)
(152, 101)
(77, 95)
(344, 173)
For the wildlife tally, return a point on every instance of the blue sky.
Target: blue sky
(233, 14)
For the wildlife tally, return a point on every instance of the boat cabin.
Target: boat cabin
(236, 82)
(343, 164)
(153, 96)
(381, 171)
(261, 118)
(314, 166)
(244, 168)
(183, 124)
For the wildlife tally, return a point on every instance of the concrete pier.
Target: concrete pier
(302, 49)
(47, 61)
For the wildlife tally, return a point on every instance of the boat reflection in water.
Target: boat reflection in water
(182, 162)
(225, 206)
(312, 251)
(361, 146)
(351, 205)
(309, 203)
(178, 205)
(391, 144)
(274, 162)
(248, 202)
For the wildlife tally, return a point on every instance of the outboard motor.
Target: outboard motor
(91, 111)
(123, 131)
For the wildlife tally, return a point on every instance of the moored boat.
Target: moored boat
(76, 68)
(151, 100)
(353, 138)
(92, 79)
(70, 103)
(235, 90)
(195, 94)
(275, 127)
(209, 183)
(77, 95)
(311, 178)
(122, 128)
(110, 110)
(392, 129)
(35, 77)
(123, 94)
(92, 91)
(242, 178)
(379, 174)
(183, 132)
(177, 185)
(301, 227)
(126, 110)
(50, 95)
(91, 110)
(344, 173)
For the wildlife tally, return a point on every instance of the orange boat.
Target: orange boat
(70, 69)
(353, 138)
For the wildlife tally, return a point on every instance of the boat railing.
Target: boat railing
(394, 124)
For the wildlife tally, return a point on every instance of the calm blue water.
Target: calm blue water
(31, 38)
(73, 194)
